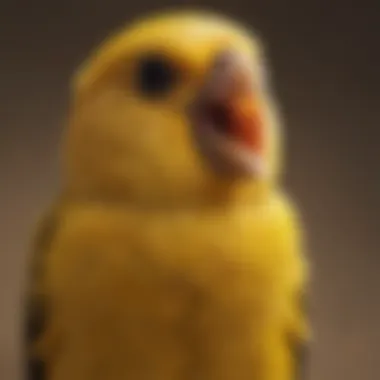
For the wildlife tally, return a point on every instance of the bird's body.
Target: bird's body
(152, 269)
(195, 305)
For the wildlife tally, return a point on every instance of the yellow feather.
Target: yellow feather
(163, 294)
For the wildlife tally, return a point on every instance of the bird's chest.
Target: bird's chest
(100, 252)
(162, 288)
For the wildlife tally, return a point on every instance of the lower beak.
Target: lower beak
(246, 123)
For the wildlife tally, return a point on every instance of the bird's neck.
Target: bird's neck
(221, 196)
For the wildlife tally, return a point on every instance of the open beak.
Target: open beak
(227, 118)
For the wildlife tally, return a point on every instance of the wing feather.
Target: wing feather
(36, 305)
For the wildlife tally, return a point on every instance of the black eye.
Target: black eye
(155, 76)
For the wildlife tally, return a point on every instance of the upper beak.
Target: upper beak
(228, 112)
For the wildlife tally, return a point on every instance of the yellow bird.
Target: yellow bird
(172, 253)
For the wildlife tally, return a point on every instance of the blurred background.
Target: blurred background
(325, 61)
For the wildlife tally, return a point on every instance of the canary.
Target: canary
(172, 251)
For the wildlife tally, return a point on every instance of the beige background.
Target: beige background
(323, 54)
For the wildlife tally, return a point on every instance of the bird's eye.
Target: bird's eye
(155, 76)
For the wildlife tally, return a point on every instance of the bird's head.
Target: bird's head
(175, 108)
